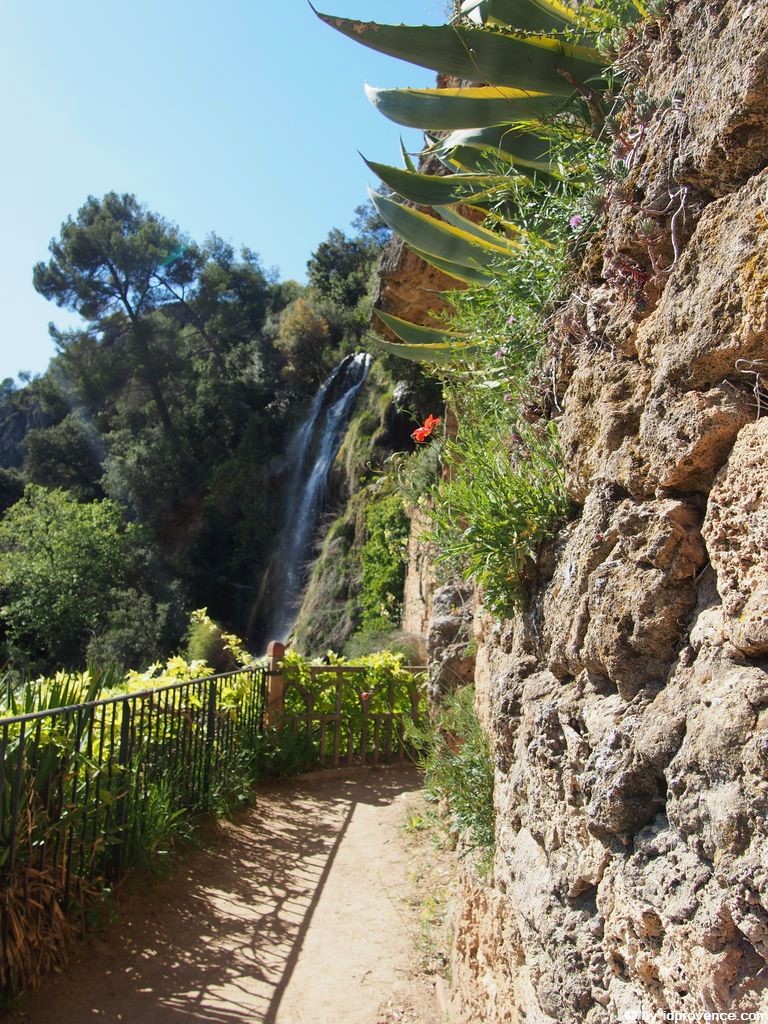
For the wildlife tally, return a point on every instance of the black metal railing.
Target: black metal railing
(79, 785)
(84, 789)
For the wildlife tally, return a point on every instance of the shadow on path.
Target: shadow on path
(219, 941)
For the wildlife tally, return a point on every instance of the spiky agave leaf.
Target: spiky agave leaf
(435, 352)
(473, 107)
(527, 147)
(489, 160)
(540, 13)
(409, 164)
(416, 334)
(478, 54)
(466, 275)
(524, 15)
(437, 238)
(437, 190)
(479, 230)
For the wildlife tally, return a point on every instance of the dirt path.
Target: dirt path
(297, 913)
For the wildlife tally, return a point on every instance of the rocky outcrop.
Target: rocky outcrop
(629, 704)
(450, 642)
(736, 532)
(419, 576)
(409, 287)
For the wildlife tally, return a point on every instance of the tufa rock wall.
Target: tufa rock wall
(629, 705)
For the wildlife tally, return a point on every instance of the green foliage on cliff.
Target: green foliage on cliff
(524, 137)
(505, 491)
(383, 558)
(505, 494)
(455, 754)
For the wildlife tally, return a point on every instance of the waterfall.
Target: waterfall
(310, 456)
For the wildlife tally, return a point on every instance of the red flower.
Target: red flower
(364, 696)
(421, 434)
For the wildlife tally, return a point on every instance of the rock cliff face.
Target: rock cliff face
(629, 705)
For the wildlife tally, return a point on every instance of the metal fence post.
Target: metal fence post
(121, 815)
(210, 737)
(275, 683)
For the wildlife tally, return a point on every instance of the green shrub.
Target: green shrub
(282, 752)
(59, 562)
(504, 495)
(158, 826)
(456, 757)
(383, 558)
(417, 472)
(208, 643)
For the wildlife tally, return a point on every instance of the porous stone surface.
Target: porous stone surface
(629, 705)
(736, 531)
(450, 641)
(409, 287)
(419, 576)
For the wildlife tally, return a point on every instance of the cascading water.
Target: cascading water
(310, 455)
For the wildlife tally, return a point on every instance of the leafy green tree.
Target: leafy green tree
(234, 294)
(370, 227)
(66, 454)
(305, 341)
(91, 368)
(117, 257)
(59, 562)
(339, 270)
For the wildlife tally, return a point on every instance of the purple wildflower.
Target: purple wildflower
(575, 220)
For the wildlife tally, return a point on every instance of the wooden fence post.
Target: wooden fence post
(275, 683)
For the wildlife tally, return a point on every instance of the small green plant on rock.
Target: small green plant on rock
(455, 754)
(504, 495)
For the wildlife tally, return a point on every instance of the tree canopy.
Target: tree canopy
(59, 562)
(118, 259)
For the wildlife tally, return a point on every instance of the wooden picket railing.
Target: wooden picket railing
(342, 715)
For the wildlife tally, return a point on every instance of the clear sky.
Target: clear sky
(242, 117)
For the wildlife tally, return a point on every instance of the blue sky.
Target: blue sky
(242, 117)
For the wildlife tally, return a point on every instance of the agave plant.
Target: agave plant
(526, 66)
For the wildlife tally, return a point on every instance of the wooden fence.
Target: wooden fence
(344, 714)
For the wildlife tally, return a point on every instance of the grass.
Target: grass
(503, 496)
(456, 756)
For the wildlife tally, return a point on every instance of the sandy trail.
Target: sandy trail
(295, 914)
